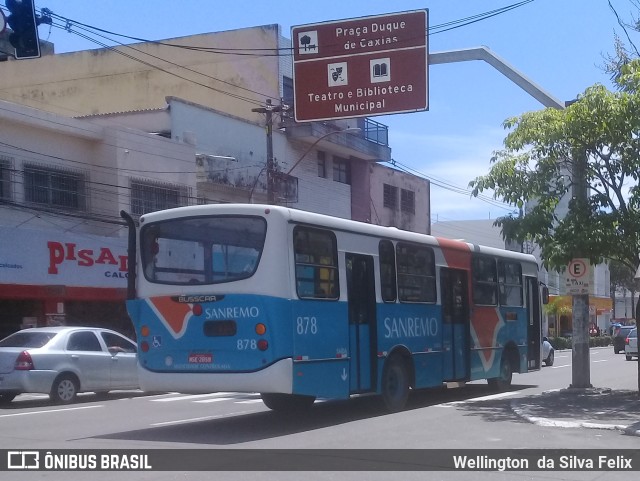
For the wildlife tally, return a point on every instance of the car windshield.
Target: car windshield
(27, 339)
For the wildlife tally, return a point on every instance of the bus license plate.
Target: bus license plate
(201, 358)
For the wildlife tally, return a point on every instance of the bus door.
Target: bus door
(455, 324)
(534, 325)
(362, 321)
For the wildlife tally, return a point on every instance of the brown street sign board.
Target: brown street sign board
(361, 67)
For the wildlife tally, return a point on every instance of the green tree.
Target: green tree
(535, 171)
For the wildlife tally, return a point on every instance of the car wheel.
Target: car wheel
(628, 358)
(550, 358)
(7, 397)
(64, 389)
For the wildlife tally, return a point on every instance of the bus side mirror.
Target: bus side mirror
(545, 295)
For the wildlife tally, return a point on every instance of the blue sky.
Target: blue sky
(559, 44)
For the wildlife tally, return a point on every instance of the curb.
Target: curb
(516, 407)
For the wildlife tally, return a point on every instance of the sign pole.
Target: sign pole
(577, 284)
(580, 370)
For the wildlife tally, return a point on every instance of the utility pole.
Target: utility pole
(268, 110)
(580, 369)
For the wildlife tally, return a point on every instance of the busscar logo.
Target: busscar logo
(23, 460)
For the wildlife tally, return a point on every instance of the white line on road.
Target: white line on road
(482, 398)
(190, 396)
(214, 400)
(205, 418)
(50, 411)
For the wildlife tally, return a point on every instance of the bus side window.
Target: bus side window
(388, 271)
(416, 273)
(316, 257)
(485, 281)
(510, 281)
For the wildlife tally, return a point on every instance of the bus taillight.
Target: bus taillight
(144, 346)
(261, 329)
(144, 331)
(263, 345)
(197, 309)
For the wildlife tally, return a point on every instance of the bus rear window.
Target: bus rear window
(202, 250)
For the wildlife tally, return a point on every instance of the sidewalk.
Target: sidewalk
(598, 408)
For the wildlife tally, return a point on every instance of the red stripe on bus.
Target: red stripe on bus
(457, 254)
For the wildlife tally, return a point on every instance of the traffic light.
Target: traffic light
(23, 23)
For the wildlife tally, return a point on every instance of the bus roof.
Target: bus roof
(330, 222)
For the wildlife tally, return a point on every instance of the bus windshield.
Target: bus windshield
(202, 250)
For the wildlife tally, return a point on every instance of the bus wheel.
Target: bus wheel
(287, 402)
(503, 381)
(395, 384)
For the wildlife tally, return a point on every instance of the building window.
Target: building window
(287, 91)
(341, 170)
(53, 187)
(390, 196)
(408, 201)
(153, 196)
(322, 164)
(5, 177)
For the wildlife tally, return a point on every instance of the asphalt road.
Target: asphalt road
(454, 418)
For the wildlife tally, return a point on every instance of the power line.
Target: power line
(448, 186)
(69, 24)
(258, 51)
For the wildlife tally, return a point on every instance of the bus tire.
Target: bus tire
(287, 402)
(503, 381)
(395, 384)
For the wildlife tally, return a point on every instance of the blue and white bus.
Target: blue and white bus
(297, 306)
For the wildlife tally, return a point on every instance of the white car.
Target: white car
(631, 345)
(63, 361)
(548, 353)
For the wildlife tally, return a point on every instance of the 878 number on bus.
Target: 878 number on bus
(306, 325)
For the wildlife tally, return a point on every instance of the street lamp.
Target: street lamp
(348, 129)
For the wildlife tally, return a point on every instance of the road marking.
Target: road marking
(558, 367)
(50, 411)
(476, 399)
(190, 396)
(205, 418)
(601, 360)
(214, 400)
(253, 401)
